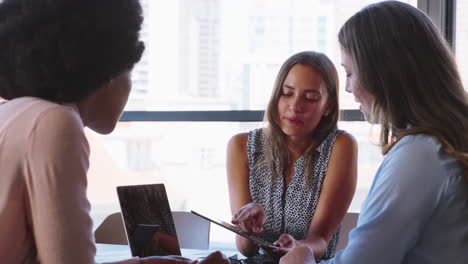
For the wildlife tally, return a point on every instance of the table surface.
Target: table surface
(109, 252)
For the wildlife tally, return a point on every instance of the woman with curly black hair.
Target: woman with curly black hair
(64, 65)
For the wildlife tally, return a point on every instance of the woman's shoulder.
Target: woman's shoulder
(38, 108)
(423, 157)
(239, 139)
(246, 138)
(50, 115)
(339, 139)
(256, 133)
(247, 142)
(344, 147)
(34, 115)
(345, 138)
(50, 122)
(416, 144)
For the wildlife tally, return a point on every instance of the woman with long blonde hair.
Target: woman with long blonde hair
(291, 183)
(403, 73)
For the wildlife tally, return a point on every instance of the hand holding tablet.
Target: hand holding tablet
(257, 240)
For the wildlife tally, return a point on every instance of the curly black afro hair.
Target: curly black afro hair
(64, 50)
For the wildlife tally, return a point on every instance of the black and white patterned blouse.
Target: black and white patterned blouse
(293, 214)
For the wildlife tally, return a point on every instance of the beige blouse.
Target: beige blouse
(44, 211)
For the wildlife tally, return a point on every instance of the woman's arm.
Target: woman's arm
(406, 191)
(336, 195)
(55, 169)
(238, 183)
(298, 255)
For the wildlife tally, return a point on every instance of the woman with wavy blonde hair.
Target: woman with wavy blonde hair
(292, 182)
(403, 73)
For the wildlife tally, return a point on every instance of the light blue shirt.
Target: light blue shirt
(416, 210)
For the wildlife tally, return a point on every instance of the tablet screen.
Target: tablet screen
(238, 231)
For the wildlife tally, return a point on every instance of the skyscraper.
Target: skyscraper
(200, 33)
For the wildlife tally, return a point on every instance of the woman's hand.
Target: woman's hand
(298, 255)
(214, 258)
(166, 260)
(285, 243)
(250, 218)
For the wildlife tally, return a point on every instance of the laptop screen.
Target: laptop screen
(148, 220)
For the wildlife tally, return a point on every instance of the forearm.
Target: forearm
(127, 261)
(298, 255)
(246, 247)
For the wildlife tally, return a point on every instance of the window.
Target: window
(217, 55)
(224, 55)
(461, 40)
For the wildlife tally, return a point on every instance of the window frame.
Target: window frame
(443, 14)
(216, 116)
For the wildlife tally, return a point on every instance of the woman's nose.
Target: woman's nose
(348, 89)
(296, 105)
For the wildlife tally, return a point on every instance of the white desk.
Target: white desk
(109, 253)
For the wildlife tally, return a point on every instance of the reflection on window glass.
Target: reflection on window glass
(224, 54)
(461, 38)
(189, 158)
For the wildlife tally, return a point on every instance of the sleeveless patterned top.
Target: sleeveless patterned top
(293, 213)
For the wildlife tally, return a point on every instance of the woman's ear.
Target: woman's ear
(328, 108)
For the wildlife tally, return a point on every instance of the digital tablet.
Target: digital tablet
(236, 230)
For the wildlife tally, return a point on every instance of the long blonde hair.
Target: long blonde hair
(277, 155)
(405, 63)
